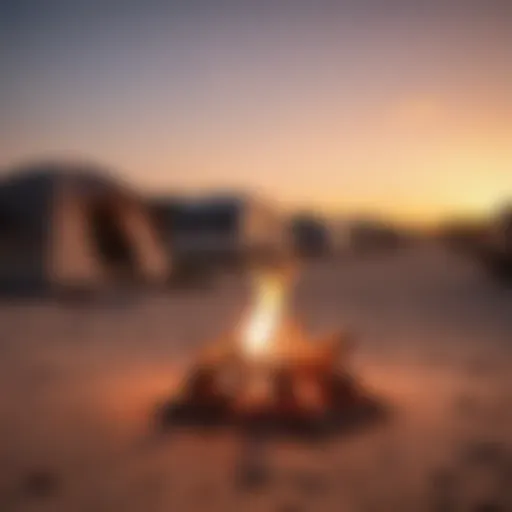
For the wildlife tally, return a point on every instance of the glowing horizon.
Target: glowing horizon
(404, 111)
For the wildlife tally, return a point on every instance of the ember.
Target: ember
(268, 374)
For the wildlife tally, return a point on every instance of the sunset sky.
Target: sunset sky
(395, 107)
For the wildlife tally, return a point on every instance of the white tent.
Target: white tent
(232, 227)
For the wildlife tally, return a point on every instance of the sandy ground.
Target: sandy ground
(80, 384)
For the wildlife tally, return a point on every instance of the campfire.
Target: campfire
(267, 373)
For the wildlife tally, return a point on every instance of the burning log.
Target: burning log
(270, 374)
(307, 386)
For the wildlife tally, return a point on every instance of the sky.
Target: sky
(385, 107)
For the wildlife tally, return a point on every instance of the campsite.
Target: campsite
(256, 255)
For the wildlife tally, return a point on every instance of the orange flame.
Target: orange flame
(264, 319)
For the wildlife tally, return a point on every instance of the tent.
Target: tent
(69, 225)
(310, 235)
(221, 228)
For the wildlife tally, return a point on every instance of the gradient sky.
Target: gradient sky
(397, 107)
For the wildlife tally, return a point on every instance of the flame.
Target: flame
(265, 317)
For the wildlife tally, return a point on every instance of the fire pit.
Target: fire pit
(267, 375)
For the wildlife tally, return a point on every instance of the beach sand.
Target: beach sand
(81, 384)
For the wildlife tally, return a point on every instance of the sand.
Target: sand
(81, 384)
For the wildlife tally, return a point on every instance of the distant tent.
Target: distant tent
(501, 229)
(310, 235)
(495, 253)
(222, 229)
(73, 226)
